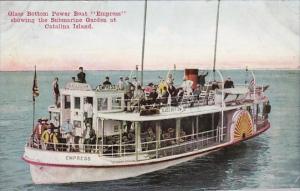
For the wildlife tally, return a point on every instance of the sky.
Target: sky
(257, 34)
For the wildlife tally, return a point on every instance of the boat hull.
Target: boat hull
(96, 168)
(42, 174)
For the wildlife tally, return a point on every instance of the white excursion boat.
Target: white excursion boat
(118, 137)
(153, 137)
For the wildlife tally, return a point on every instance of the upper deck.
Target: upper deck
(110, 103)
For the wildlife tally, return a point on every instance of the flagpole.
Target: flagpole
(33, 112)
(33, 99)
(35, 92)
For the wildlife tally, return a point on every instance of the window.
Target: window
(102, 104)
(116, 102)
(67, 102)
(77, 102)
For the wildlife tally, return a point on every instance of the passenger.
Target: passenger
(121, 84)
(214, 85)
(135, 83)
(131, 136)
(201, 79)
(160, 87)
(169, 134)
(228, 83)
(197, 91)
(187, 86)
(45, 139)
(182, 136)
(138, 97)
(180, 94)
(44, 125)
(81, 76)
(55, 91)
(55, 122)
(148, 89)
(150, 137)
(164, 96)
(172, 90)
(128, 92)
(88, 112)
(54, 137)
(153, 96)
(89, 137)
(73, 79)
(170, 79)
(106, 83)
(67, 133)
(37, 133)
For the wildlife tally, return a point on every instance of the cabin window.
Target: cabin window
(168, 132)
(67, 101)
(148, 135)
(116, 103)
(77, 102)
(186, 126)
(102, 104)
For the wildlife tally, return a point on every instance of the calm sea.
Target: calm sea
(271, 160)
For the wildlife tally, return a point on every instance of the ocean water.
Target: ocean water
(271, 160)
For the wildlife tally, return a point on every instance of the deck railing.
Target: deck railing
(144, 150)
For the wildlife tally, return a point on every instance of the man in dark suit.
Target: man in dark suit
(81, 76)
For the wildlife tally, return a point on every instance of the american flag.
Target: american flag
(35, 88)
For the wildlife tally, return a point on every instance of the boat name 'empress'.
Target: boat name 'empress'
(81, 158)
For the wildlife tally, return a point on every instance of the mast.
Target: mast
(216, 39)
(143, 47)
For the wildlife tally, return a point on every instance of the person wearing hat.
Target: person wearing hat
(54, 137)
(197, 91)
(45, 138)
(121, 83)
(81, 76)
(89, 136)
(228, 83)
(127, 92)
(44, 125)
(106, 83)
(135, 82)
(201, 79)
(148, 89)
(67, 130)
(214, 85)
(138, 98)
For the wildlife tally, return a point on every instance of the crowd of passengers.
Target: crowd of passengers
(48, 135)
(51, 136)
(162, 93)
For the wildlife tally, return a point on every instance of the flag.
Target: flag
(35, 88)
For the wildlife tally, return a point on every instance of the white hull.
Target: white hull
(53, 174)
